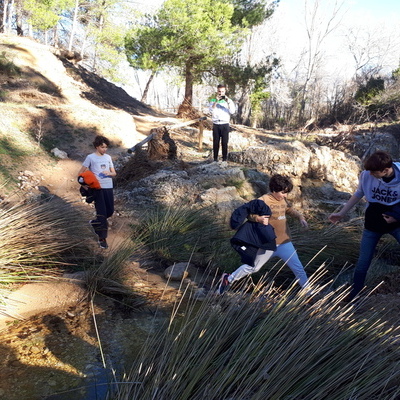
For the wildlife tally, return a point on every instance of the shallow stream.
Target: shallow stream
(67, 356)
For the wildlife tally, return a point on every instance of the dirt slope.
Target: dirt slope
(62, 105)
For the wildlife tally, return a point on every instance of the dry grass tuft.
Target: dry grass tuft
(36, 234)
(38, 240)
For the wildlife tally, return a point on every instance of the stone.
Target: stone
(177, 272)
(200, 294)
(59, 153)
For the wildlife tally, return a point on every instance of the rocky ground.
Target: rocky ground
(60, 341)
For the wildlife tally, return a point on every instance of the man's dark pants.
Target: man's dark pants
(220, 134)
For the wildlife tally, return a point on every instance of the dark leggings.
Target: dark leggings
(104, 203)
(220, 133)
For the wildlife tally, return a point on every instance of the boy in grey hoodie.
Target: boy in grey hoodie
(380, 185)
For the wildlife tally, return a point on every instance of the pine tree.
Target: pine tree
(190, 36)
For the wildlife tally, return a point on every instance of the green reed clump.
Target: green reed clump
(181, 233)
(337, 245)
(267, 346)
(338, 242)
(108, 278)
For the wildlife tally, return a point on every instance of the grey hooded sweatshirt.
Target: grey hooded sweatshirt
(381, 196)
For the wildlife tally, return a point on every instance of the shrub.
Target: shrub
(108, 277)
(8, 67)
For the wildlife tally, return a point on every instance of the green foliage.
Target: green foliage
(140, 47)
(245, 79)
(105, 28)
(237, 183)
(197, 33)
(7, 67)
(45, 14)
(196, 37)
(180, 234)
(189, 36)
(267, 346)
(366, 92)
(249, 13)
(240, 75)
(110, 42)
(396, 74)
(256, 100)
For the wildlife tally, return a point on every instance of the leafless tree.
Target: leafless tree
(321, 18)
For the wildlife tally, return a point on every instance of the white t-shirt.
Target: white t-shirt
(98, 165)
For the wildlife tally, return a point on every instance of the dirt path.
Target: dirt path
(60, 180)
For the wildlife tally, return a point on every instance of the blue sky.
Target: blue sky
(374, 8)
(371, 22)
(382, 9)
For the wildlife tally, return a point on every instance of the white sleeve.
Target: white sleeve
(231, 106)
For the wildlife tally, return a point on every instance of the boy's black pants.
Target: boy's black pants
(104, 204)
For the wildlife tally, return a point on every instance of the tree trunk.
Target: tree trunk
(55, 37)
(188, 84)
(146, 89)
(73, 28)
(4, 17)
(10, 12)
(185, 110)
(243, 109)
(19, 18)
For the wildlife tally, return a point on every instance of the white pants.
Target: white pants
(285, 252)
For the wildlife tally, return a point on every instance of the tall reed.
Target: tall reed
(107, 278)
(268, 345)
(38, 240)
(179, 233)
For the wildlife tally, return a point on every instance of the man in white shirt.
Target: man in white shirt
(221, 108)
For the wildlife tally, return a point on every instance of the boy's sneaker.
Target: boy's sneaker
(103, 243)
(224, 283)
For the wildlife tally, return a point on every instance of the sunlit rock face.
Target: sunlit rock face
(302, 162)
(323, 178)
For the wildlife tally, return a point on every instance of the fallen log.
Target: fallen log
(167, 128)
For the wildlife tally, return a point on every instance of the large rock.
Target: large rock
(323, 178)
(302, 162)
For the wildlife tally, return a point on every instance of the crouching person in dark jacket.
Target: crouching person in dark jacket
(255, 242)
